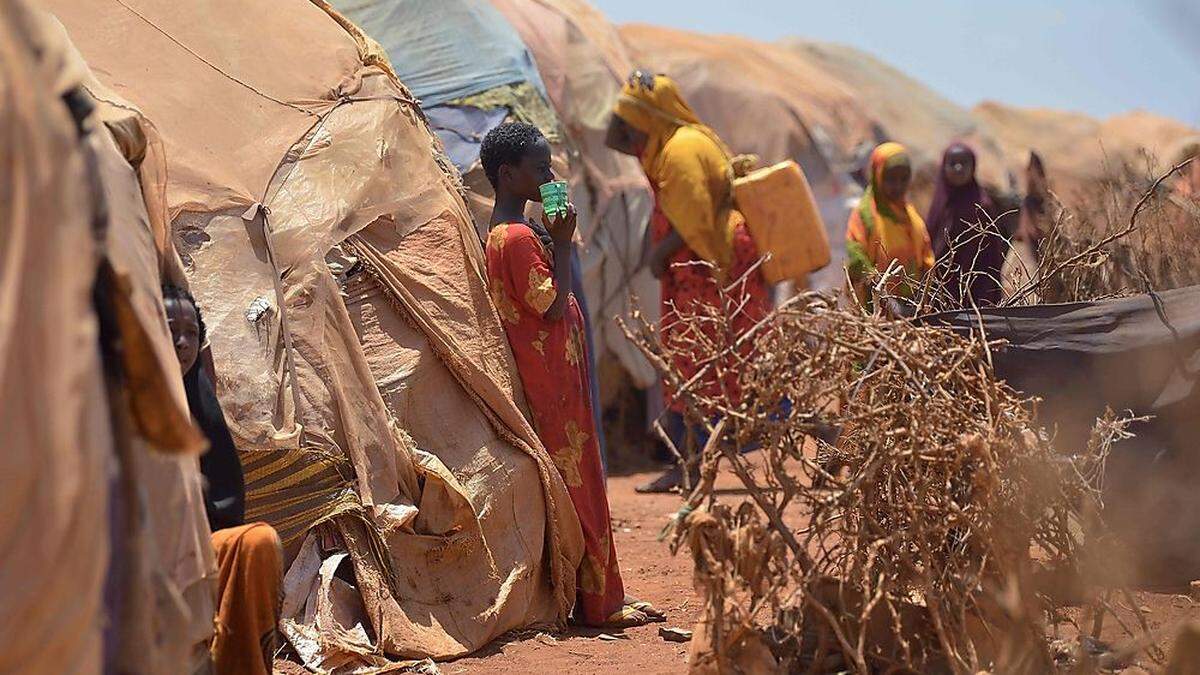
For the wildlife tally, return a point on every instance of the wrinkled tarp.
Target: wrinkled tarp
(1138, 355)
(765, 100)
(259, 196)
(445, 49)
(57, 453)
(583, 63)
(461, 129)
(163, 594)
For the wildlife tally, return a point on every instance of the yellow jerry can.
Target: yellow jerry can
(784, 220)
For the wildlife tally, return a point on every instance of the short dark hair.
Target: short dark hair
(506, 144)
(173, 292)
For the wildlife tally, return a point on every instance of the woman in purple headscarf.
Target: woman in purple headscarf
(968, 245)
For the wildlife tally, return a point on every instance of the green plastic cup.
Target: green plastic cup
(554, 198)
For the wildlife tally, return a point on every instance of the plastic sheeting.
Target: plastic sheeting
(462, 129)
(57, 437)
(445, 49)
(259, 191)
(1138, 356)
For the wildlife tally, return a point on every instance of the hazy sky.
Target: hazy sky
(1097, 56)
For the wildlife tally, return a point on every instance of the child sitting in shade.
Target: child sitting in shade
(529, 278)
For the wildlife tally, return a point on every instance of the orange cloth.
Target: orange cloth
(250, 558)
(881, 230)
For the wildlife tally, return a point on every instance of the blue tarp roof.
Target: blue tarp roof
(445, 49)
(462, 129)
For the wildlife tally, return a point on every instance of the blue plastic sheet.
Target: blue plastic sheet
(445, 49)
(462, 129)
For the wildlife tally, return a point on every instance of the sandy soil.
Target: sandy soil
(650, 573)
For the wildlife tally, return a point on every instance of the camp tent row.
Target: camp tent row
(363, 369)
(323, 229)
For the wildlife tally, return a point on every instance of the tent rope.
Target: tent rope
(212, 65)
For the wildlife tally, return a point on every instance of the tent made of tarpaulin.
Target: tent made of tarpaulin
(907, 111)
(444, 50)
(127, 438)
(390, 434)
(764, 100)
(1079, 149)
(57, 434)
(1140, 357)
(583, 63)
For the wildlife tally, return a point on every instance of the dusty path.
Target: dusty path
(650, 572)
(653, 574)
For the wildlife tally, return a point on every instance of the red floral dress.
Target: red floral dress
(553, 364)
(686, 286)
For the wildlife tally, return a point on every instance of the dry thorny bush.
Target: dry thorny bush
(1127, 232)
(903, 500)
(911, 539)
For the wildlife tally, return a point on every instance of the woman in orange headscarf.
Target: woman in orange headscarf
(697, 242)
(885, 227)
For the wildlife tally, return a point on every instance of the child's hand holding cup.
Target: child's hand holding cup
(558, 214)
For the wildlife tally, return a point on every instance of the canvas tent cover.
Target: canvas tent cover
(391, 421)
(444, 51)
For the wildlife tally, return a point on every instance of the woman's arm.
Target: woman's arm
(662, 252)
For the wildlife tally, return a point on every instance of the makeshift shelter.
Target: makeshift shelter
(764, 100)
(1078, 148)
(1136, 356)
(378, 413)
(111, 413)
(583, 63)
(58, 438)
(906, 110)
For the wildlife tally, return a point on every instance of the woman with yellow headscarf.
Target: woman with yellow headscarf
(697, 242)
(885, 226)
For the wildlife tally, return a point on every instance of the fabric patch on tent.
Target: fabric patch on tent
(445, 49)
(462, 129)
(525, 102)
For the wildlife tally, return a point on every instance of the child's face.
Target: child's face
(185, 331)
(524, 178)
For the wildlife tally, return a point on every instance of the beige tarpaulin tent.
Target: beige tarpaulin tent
(287, 138)
(583, 61)
(1078, 148)
(118, 429)
(58, 442)
(905, 110)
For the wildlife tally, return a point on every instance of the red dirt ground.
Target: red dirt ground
(650, 573)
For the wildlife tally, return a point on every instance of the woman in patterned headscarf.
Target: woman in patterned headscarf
(885, 227)
(697, 241)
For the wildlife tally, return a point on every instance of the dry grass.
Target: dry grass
(1128, 233)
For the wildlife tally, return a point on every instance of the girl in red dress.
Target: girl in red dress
(529, 277)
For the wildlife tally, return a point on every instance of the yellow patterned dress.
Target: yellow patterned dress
(552, 361)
